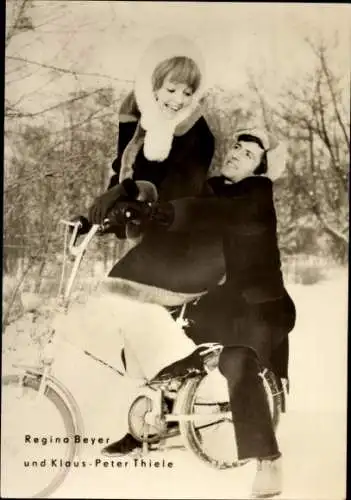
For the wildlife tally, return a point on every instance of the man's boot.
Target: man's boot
(268, 480)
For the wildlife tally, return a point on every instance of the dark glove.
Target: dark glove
(127, 190)
(84, 225)
(128, 211)
(141, 212)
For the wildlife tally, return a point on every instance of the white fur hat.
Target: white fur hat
(276, 151)
(160, 129)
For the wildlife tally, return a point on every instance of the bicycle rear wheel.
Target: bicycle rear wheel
(209, 432)
(37, 445)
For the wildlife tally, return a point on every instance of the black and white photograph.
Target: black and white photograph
(175, 250)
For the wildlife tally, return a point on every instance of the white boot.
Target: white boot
(268, 479)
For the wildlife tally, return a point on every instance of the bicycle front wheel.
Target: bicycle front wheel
(37, 439)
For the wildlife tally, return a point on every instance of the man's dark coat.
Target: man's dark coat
(252, 307)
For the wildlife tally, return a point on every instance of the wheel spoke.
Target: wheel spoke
(216, 422)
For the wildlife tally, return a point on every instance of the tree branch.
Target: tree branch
(13, 28)
(328, 76)
(66, 70)
(331, 230)
(316, 210)
(18, 114)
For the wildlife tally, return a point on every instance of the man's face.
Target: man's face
(242, 160)
(173, 97)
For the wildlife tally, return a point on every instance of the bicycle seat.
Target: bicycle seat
(201, 361)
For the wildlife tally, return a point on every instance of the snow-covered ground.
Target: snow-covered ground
(312, 433)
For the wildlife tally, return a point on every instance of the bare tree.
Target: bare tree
(313, 117)
(24, 24)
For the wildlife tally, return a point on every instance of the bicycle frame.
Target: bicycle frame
(151, 390)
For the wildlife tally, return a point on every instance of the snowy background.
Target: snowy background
(312, 433)
(59, 49)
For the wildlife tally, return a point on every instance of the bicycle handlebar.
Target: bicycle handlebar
(73, 248)
(77, 251)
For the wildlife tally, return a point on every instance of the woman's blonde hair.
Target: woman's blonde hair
(181, 69)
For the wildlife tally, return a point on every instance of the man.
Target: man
(251, 314)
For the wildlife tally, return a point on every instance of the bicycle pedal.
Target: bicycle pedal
(157, 446)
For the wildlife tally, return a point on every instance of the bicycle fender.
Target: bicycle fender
(64, 392)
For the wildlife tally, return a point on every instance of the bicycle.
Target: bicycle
(184, 400)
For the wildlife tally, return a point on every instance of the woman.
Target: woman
(164, 140)
(163, 137)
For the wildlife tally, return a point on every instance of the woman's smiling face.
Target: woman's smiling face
(173, 97)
